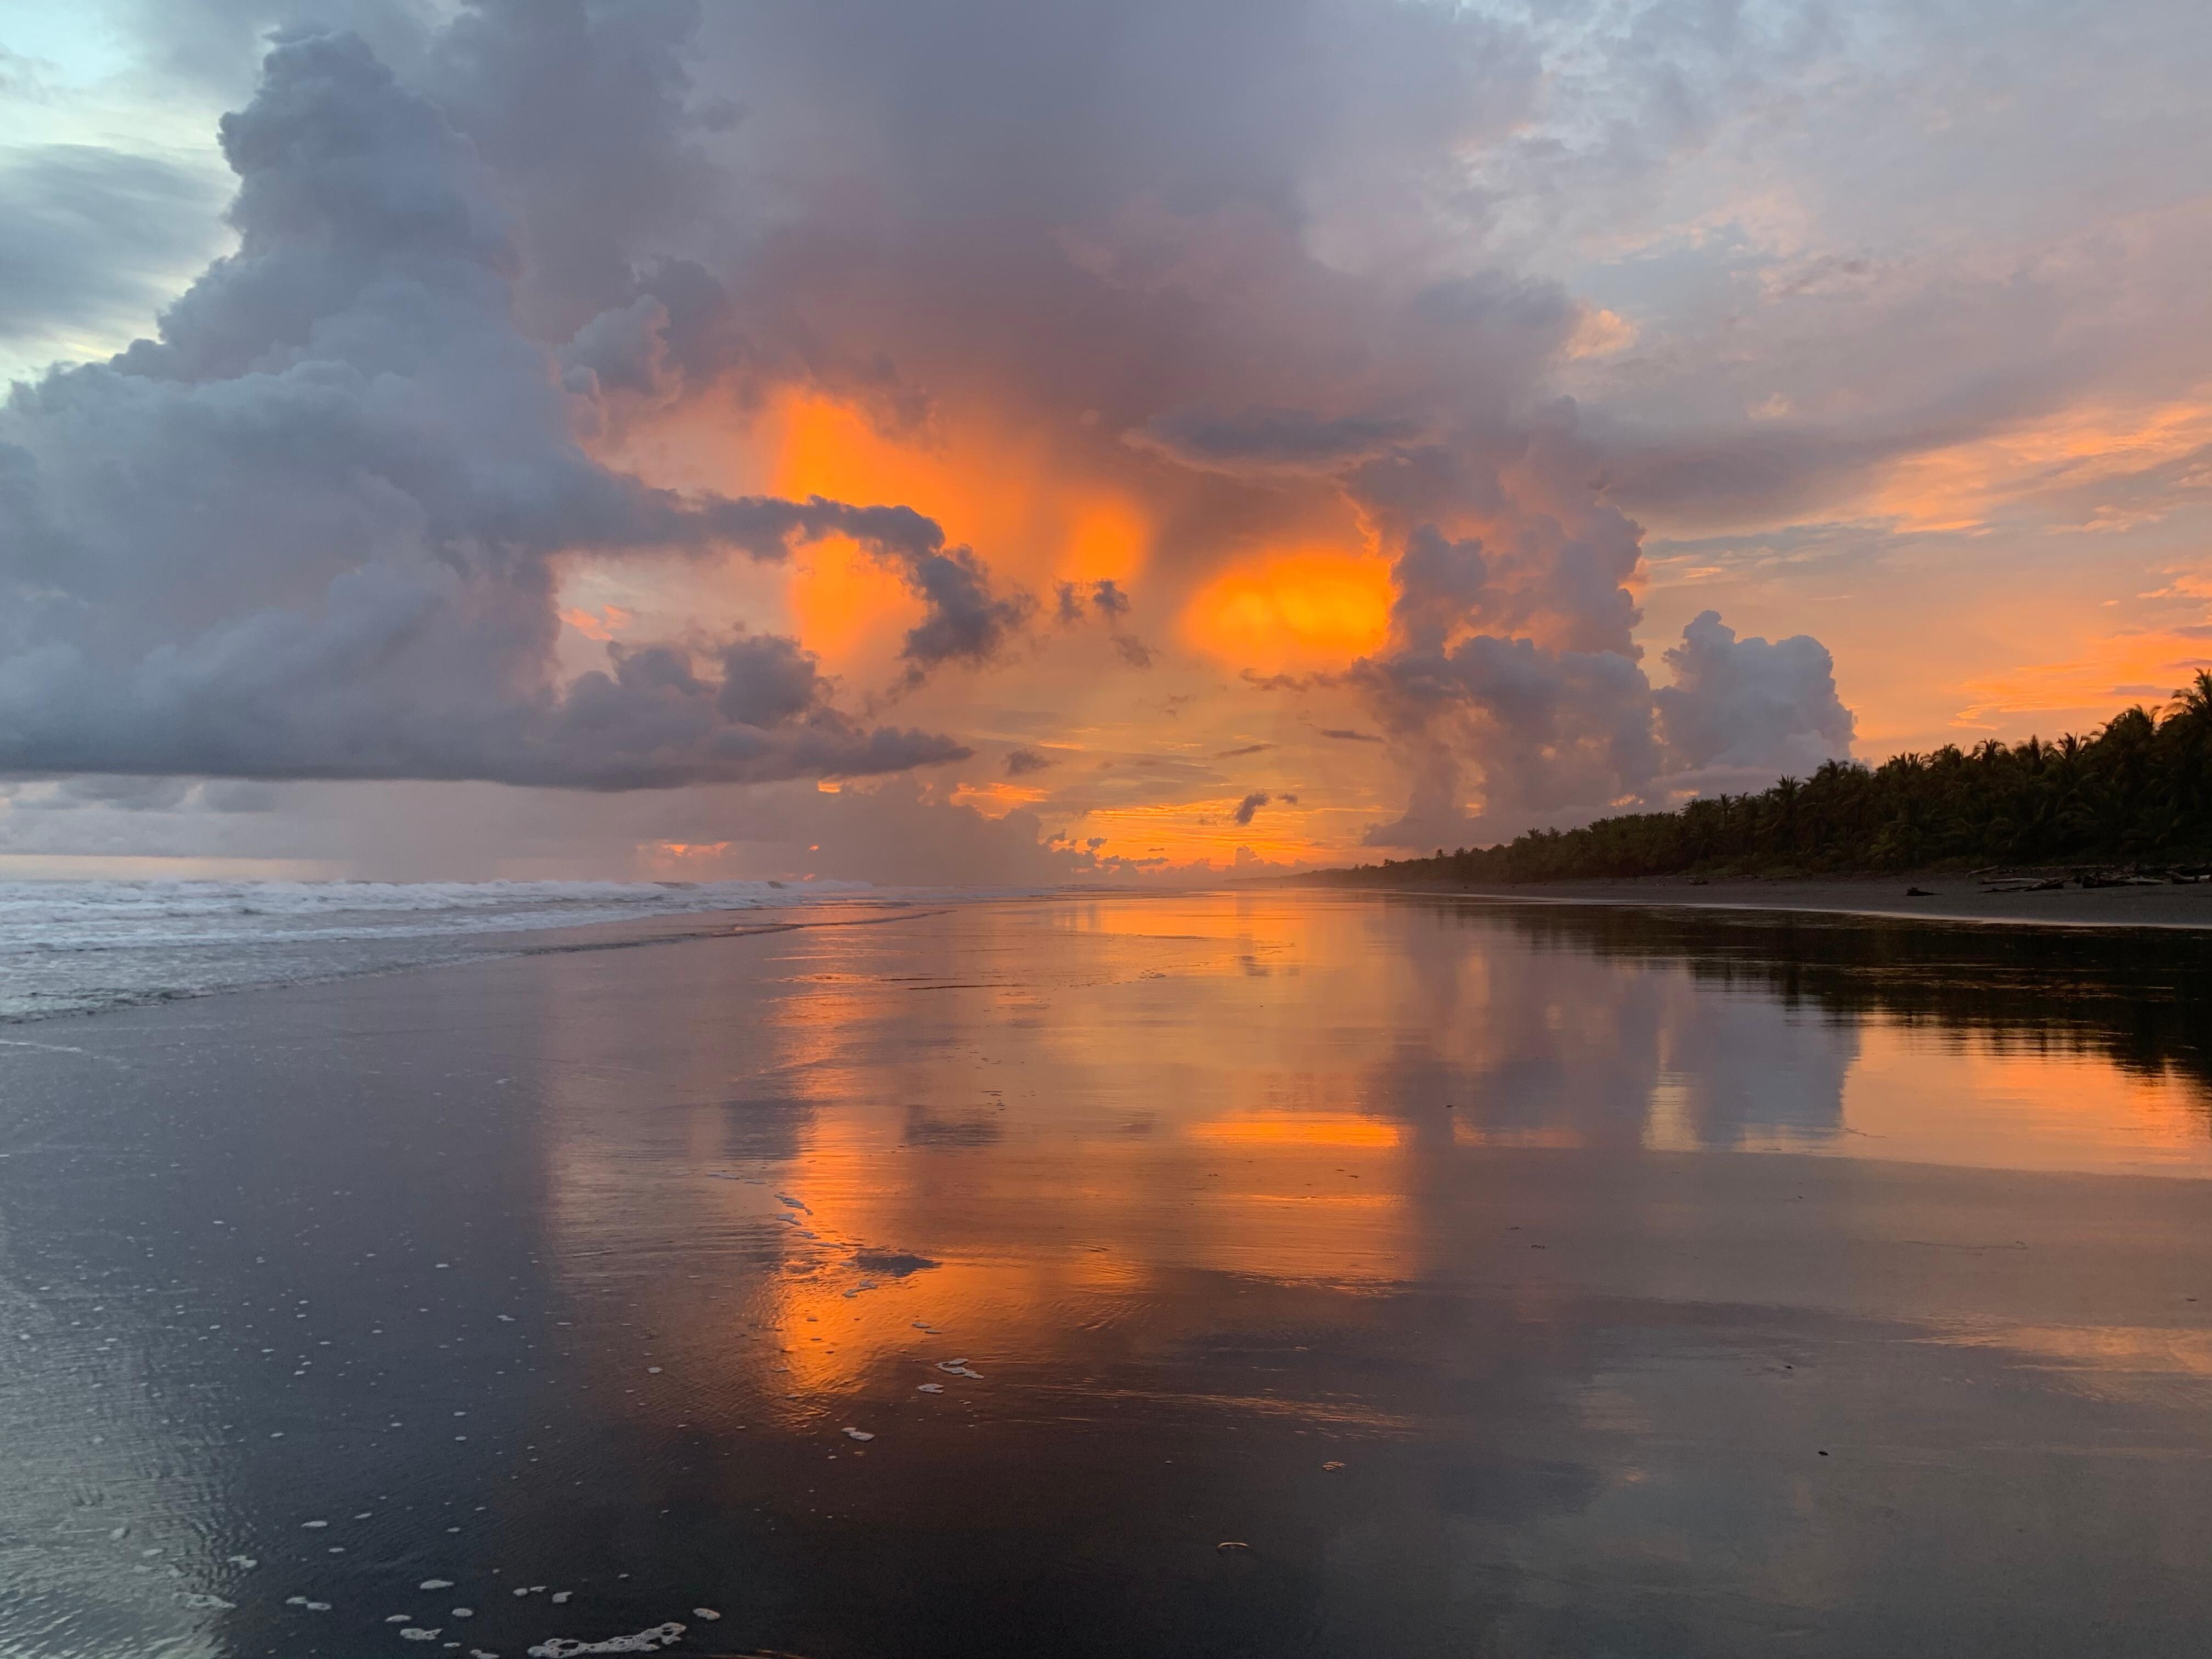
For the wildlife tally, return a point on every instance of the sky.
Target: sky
(1012, 442)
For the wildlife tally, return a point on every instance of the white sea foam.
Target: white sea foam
(76, 946)
(645, 1641)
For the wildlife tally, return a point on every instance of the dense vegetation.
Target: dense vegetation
(2139, 790)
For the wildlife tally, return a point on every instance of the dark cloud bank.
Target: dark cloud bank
(312, 530)
(316, 528)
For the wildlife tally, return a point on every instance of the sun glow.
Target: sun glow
(1308, 607)
(1003, 493)
(2144, 667)
(995, 800)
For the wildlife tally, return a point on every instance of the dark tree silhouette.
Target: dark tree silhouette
(2139, 790)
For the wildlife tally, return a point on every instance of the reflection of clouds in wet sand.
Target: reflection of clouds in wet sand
(984, 1122)
(1527, 1045)
(2010, 1106)
(853, 1280)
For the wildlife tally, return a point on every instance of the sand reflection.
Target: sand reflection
(1009, 1135)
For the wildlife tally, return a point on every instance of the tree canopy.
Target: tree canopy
(2138, 789)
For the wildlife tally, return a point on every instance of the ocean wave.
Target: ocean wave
(81, 946)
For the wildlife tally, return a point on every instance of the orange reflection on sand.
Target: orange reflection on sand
(837, 1338)
(2139, 1350)
(1296, 1129)
(2013, 1106)
(1299, 608)
(1028, 1248)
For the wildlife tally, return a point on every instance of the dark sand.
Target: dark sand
(1955, 899)
(1497, 1279)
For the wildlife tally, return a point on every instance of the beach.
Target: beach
(1272, 1273)
(1946, 896)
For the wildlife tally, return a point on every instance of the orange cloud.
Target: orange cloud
(602, 625)
(1599, 334)
(995, 800)
(1958, 487)
(1300, 608)
(1107, 540)
(1003, 493)
(848, 605)
(1187, 832)
(684, 857)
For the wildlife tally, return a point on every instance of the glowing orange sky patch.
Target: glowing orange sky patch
(1107, 543)
(601, 625)
(1184, 831)
(1298, 609)
(1958, 486)
(847, 603)
(1001, 492)
(995, 800)
(825, 448)
(2127, 668)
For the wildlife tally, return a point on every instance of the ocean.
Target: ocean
(80, 946)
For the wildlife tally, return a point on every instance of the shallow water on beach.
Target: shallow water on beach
(73, 947)
(1264, 1274)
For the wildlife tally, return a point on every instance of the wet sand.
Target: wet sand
(1269, 1274)
(1953, 898)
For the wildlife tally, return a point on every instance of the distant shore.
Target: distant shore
(1951, 897)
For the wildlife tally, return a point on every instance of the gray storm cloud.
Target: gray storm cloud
(1255, 296)
(1515, 660)
(1249, 808)
(1225, 256)
(313, 530)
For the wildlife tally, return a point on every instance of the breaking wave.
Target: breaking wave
(77, 947)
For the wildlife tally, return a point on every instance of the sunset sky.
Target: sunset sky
(1012, 442)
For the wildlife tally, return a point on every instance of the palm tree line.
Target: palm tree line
(2138, 790)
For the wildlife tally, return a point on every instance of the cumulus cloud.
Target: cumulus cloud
(1263, 310)
(1021, 762)
(1749, 706)
(1269, 440)
(1554, 732)
(316, 528)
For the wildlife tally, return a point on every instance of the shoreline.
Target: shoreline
(1949, 898)
(670, 1279)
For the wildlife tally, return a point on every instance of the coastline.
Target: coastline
(1951, 898)
(1375, 1238)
